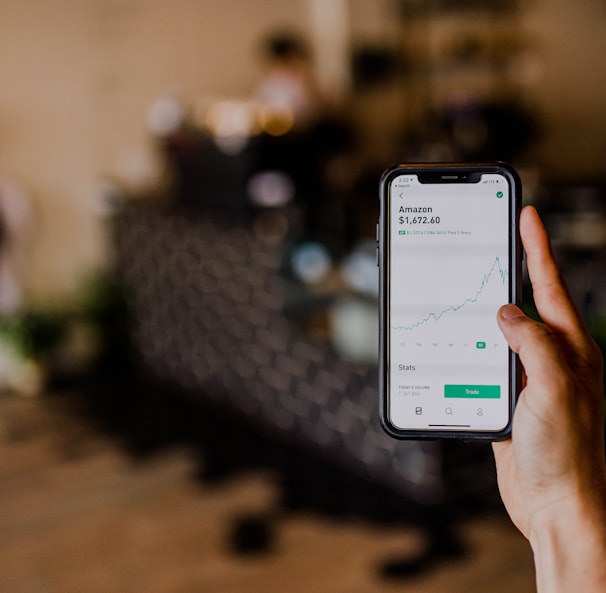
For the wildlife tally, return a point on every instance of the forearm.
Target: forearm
(570, 549)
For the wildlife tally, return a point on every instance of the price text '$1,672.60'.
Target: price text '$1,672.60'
(419, 220)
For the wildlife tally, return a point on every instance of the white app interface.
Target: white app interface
(448, 275)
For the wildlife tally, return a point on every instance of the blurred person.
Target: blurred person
(288, 103)
(552, 472)
(287, 86)
(304, 133)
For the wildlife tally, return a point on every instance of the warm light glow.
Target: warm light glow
(230, 118)
(276, 120)
(231, 123)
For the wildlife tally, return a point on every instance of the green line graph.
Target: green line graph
(496, 270)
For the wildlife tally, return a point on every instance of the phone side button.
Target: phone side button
(377, 256)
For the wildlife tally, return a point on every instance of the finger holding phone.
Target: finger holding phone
(552, 473)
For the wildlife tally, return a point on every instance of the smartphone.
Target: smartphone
(449, 257)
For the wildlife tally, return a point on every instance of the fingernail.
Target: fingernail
(511, 312)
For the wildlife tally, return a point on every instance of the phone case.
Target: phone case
(450, 171)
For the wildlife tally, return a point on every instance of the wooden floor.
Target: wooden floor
(79, 515)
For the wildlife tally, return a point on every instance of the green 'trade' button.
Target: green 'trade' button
(473, 391)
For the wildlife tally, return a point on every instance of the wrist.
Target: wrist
(569, 544)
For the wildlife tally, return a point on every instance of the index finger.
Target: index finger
(550, 293)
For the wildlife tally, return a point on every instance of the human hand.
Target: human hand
(558, 432)
(552, 472)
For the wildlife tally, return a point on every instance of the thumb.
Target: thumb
(534, 342)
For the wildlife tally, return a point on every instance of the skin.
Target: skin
(552, 472)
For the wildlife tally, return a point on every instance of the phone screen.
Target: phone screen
(449, 269)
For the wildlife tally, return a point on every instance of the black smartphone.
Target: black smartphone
(449, 257)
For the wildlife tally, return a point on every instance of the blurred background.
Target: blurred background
(188, 285)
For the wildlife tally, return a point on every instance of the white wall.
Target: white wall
(77, 78)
